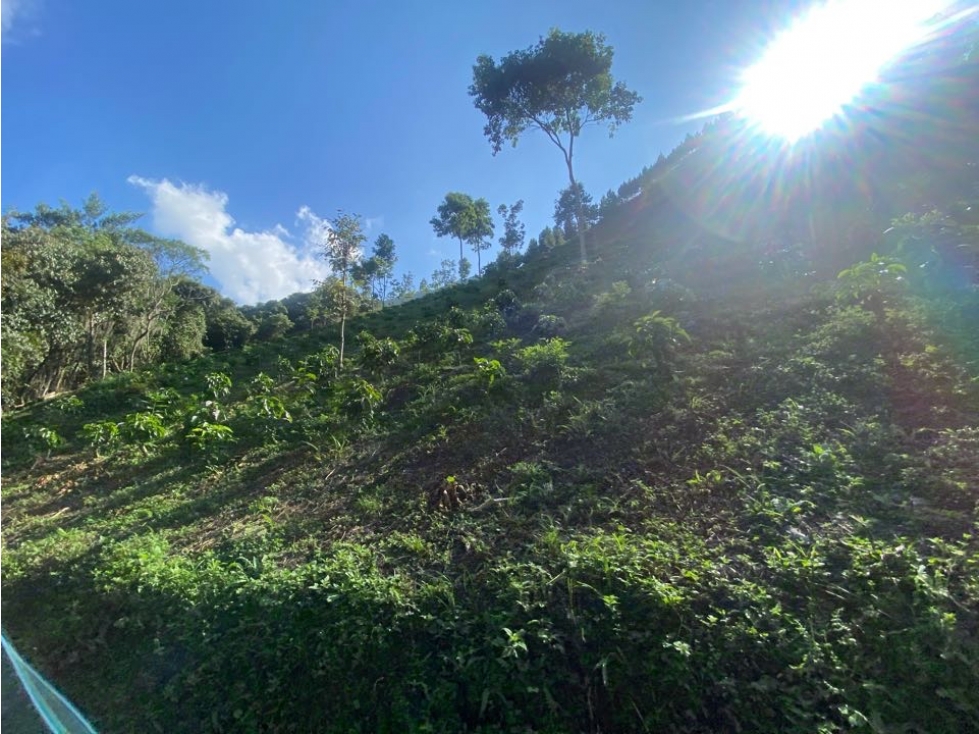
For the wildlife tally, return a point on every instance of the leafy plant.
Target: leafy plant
(43, 439)
(218, 384)
(544, 365)
(144, 429)
(871, 282)
(377, 353)
(361, 399)
(102, 435)
(489, 371)
(206, 436)
(549, 325)
(656, 337)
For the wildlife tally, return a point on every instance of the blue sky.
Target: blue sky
(236, 126)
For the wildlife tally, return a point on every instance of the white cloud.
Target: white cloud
(16, 11)
(249, 266)
(317, 228)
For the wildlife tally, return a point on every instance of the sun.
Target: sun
(823, 61)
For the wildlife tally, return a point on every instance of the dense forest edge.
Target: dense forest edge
(721, 476)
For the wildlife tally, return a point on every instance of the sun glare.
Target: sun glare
(821, 62)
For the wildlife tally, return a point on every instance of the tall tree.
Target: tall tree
(385, 257)
(468, 220)
(343, 249)
(514, 231)
(558, 86)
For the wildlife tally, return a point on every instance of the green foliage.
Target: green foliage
(218, 384)
(549, 325)
(206, 436)
(437, 337)
(558, 86)
(144, 429)
(85, 294)
(376, 353)
(274, 326)
(226, 327)
(264, 409)
(872, 282)
(43, 439)
(514, 232)
(543, 365)
(468, 220)
(322, 364)
(941, 247)
(482, 533)
(656, 338)
(342, 249)
(574, 209)
(614, 298)
(361, 399)
(377, 270)
(507, 303)
(489, 371)
(102, 435)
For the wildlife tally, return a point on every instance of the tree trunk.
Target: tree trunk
(579, 211)
(343, 314)
(479, 259)
(90, 345)
(461, 258)
(343, 327)
(105, 356)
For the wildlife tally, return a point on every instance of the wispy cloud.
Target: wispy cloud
(14, 14)
(249, 266)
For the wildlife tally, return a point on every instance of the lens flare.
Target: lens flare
(826, 58)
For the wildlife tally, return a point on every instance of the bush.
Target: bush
(549, 325)
(543, 365)
(377, 353)
(102, 435)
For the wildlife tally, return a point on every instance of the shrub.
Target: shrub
(544, 364)
(871, 283)
(206, 435)
(507, 303)
(42, 439)
(377, 353)
(615, 298)
(657, 337)
(549, 325)
(102, 435)
(489, 371)
(144, 429)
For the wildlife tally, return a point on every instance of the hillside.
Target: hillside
(707, 483)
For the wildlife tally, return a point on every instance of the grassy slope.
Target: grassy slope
(766, 528)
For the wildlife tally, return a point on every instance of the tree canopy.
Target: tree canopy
(558, 86)
(85, 293)
(514, 232)
(468, 220)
